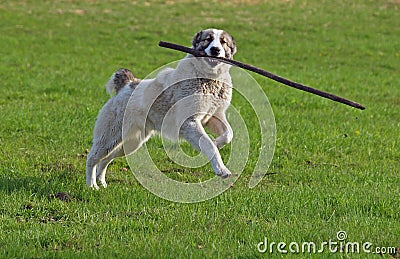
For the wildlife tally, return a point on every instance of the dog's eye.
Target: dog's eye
(209, 38)
(223, 41)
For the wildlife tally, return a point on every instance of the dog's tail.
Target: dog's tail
(119, 79)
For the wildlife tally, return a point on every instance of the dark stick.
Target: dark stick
(264, 73)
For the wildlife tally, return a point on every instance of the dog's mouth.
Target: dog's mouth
(213, 62)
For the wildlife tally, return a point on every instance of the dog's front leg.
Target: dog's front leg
(194, 133)
(219, 125)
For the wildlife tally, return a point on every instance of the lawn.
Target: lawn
(335, 168)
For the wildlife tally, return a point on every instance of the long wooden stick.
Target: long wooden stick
(265, 73)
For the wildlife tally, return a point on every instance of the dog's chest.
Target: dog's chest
(188, 98)
(207, 87)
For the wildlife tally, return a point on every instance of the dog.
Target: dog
(179, 102)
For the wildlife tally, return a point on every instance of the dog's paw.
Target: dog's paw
(224, 173)
(94, 186)
(104, 184)
(102, 179)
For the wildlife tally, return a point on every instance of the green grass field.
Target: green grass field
(335, 168)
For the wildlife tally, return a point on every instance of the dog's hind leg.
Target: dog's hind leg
(91, 168)
(194, 133)
(102, 170)
(104, 162)
(91, 174)
(97, 162)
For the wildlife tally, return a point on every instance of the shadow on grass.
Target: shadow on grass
(11, 184)
(51, 181)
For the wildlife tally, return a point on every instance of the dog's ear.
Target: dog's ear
(197, 39)
(232, 45)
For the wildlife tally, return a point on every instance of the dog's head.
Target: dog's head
(214, 43)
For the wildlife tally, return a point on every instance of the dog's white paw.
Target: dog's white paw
(94, 186)
(103, 183)
(224, 173)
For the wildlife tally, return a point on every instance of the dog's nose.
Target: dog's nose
(215, 51)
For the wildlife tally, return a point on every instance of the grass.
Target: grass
(335, 168)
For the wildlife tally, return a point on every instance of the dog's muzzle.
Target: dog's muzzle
(215, 52)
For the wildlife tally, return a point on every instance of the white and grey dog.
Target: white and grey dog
(178, 102)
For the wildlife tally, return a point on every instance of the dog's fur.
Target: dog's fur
(178, 103)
